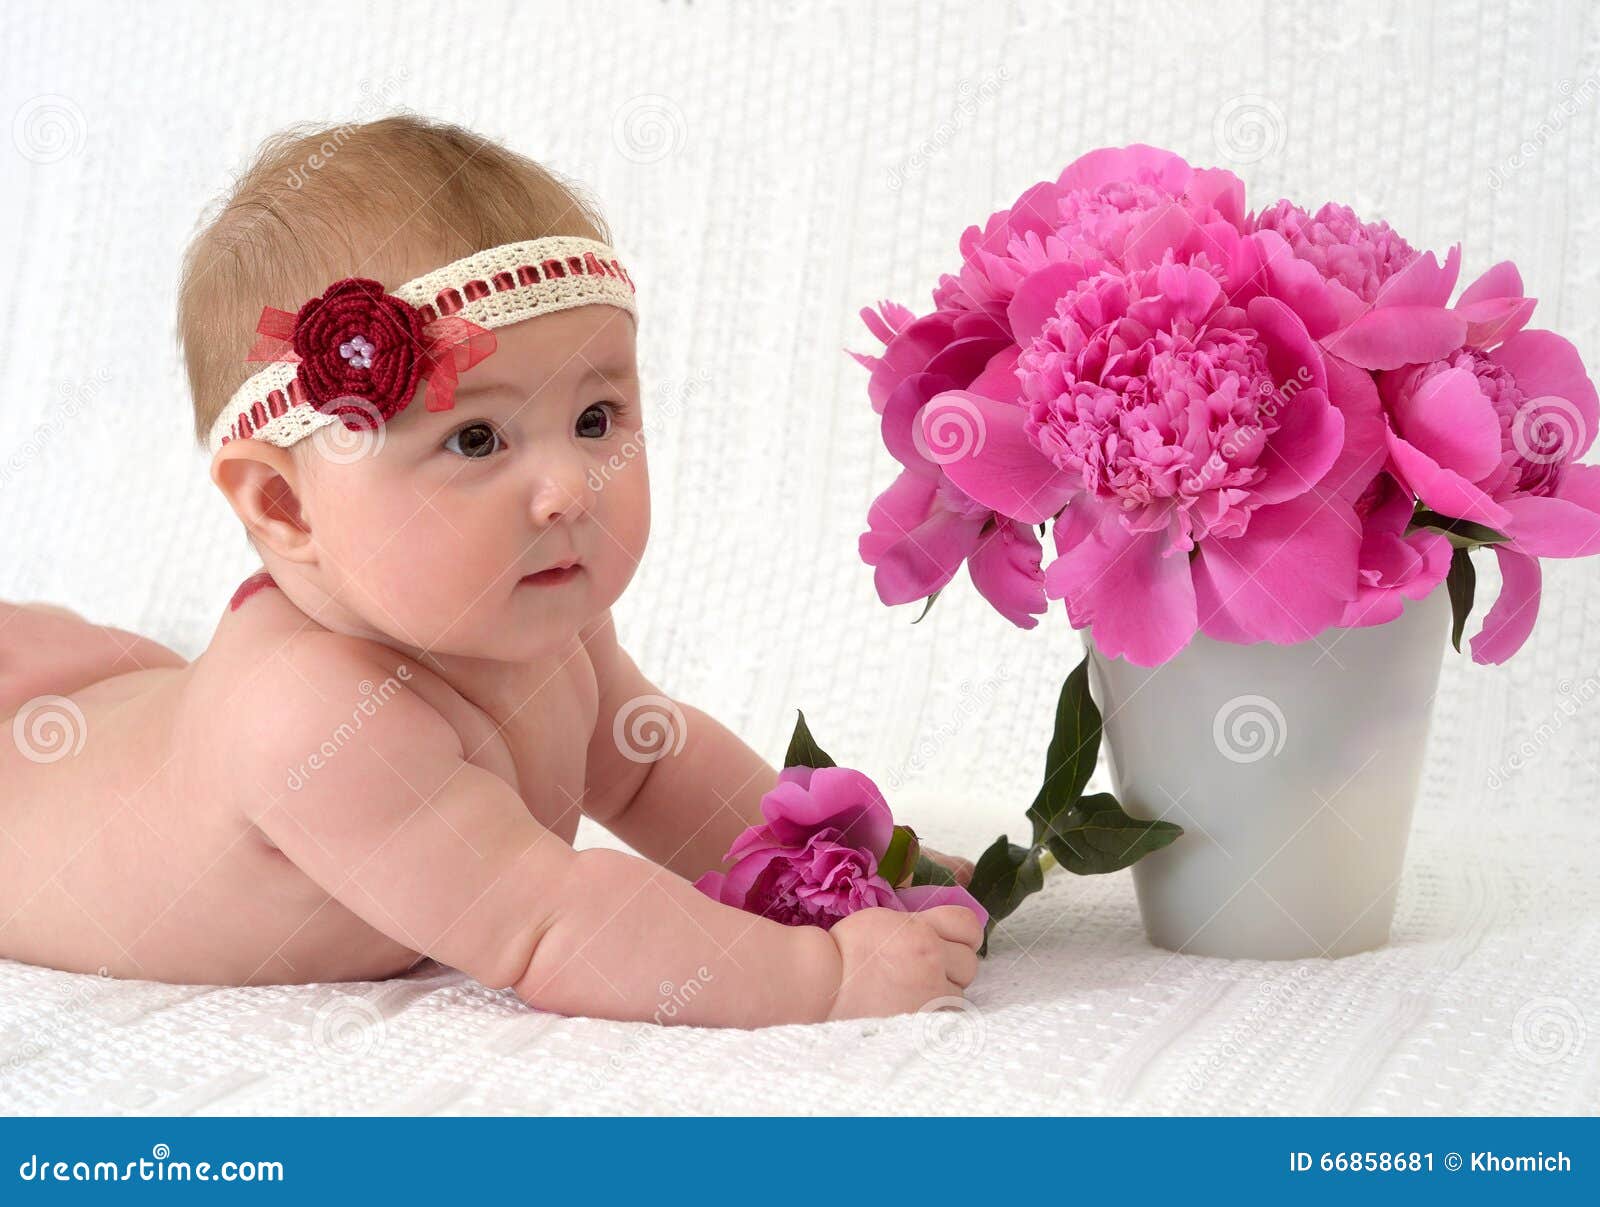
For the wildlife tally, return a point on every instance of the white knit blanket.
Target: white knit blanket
(766, 174)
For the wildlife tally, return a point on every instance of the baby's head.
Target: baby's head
(413, 513)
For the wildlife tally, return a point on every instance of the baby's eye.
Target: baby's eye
(595, 421)
(476, 440)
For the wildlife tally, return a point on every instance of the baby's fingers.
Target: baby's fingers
(960, 964)
(956, 923)
(958, 867)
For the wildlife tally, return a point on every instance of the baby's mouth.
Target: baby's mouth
(560, 572)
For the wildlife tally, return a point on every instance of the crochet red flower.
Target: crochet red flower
(357, 342)
(361, 352)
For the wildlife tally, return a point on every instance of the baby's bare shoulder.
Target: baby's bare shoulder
(323, 706)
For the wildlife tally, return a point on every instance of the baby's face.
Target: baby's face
(431, 536)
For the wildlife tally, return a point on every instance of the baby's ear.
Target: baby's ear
(262, 484)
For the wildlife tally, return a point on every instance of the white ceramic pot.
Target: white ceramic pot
(1293, 770)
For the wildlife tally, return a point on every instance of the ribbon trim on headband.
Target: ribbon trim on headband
(361, 352)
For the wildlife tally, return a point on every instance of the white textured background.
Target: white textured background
(767, 171)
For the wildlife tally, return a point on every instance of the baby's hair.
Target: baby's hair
(388, 199)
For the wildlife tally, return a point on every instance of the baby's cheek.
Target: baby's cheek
(629, 505)
(413, 577)
(625, 512)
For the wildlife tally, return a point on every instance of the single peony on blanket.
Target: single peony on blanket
(1255, 426)
(822, 855)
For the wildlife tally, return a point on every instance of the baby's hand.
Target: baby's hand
(896, 962)
(960, 868)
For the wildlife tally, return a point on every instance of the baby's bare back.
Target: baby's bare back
(127, 839)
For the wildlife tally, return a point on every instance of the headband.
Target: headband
(356, 354)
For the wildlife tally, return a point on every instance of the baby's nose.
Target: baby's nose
(561, 492)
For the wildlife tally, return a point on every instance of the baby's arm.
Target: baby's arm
(444, 857)
(684, 809)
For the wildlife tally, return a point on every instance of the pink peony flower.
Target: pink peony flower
(1102, 205)
(1362, 291)
(1493, 436)
(1188, 436)
(923, 528)
(1394, 566)
(815, 860)
(1356, 256)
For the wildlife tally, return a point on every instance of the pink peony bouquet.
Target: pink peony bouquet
(1255, 426)
(829, 847)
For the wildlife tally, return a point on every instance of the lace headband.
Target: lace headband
(356, 354)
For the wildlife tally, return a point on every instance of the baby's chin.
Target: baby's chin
(529, 627)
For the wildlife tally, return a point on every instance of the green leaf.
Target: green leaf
(1461, 582)
(929, 872)
(927, 606)
(903, 849)
(1074, 749)
(803, 748)
(1463, 534)
(1005, 874)
(1096, 835)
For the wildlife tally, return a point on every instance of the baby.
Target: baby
(384, 751)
